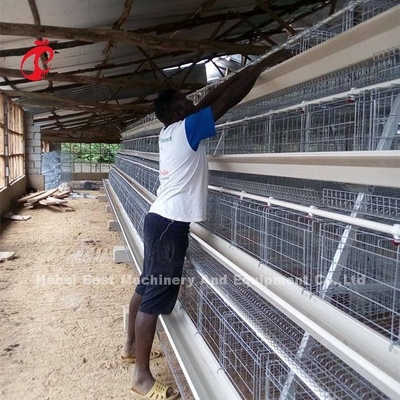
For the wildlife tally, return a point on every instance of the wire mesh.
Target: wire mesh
(242, 356)
(319, 371)
(303, 248)
(384, 67)
(294, 194)
(366, 284)
(148, 143)
(144, 175)
(355, 123)
(383, 207)
(134, 205)
(260, 348)
(276, 374)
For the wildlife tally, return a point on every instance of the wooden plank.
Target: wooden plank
(62, 194)
(53, 200)
(30, 196)
(42, 196)
(6, 255)
(15, 217)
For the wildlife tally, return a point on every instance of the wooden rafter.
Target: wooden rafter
(79, 136)
(60, 117)
(101, 35)
(203, 8)
(292, 9)
(91, 80)
(275, 16)
(193, 23)
(333, 7)
(116, 26)
(258, 31)
(82, 123)
(52, 43)
(83, 120)
(91, 105)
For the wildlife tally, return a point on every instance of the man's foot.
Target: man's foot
(128, 351)
(132, 359)
(157, 391)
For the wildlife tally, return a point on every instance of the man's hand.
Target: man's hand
(233, 90)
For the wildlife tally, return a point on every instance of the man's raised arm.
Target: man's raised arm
(234, 90)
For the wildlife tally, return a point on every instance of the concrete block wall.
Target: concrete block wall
(33, 151)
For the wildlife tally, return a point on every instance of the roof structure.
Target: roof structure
(106, 61)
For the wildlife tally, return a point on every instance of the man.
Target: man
(181, 199)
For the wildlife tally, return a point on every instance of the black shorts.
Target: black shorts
(165, 245)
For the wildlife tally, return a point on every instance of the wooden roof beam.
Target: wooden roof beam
(52, 43)
(80, 105)
(134, 39)
(80, 136)
(51, 117)
(91, 80)
(117, 26)
(275, 16)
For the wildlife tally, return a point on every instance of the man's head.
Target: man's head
(172, 106)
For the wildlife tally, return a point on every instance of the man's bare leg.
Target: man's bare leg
(145, 328)
(129, 347)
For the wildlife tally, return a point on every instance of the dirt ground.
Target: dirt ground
(61, 307)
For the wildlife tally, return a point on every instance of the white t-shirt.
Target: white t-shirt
(182, 194)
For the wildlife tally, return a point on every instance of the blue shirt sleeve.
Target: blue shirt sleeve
(199, 126)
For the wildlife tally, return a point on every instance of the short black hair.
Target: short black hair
(163, 103)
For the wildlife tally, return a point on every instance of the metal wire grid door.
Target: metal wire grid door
(366, 284)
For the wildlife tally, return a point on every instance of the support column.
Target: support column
(33, 149)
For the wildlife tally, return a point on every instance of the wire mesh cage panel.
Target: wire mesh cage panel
(334, 127)
(251, 185)
(366, 10)
(382, 102)
(245, 342)
(364, 276)
(220, 215)
(277, 374)
(190, 291)
(142, 174)
(242, 357)
(282, 239)
(371, 205)
(354, 123)
(340, 381)
(290, 245)
(134, 205)
(383, 67)
(210, 312)
(147, 143)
